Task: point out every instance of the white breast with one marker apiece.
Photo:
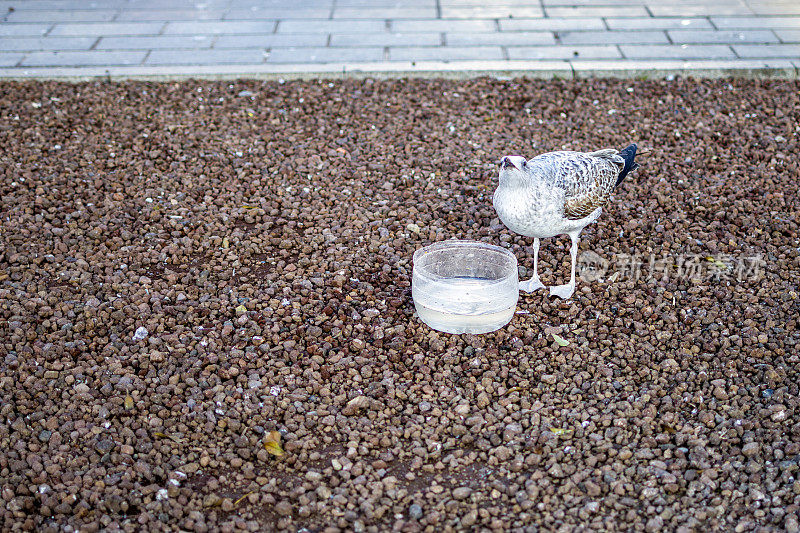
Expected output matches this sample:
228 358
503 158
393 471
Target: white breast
534 211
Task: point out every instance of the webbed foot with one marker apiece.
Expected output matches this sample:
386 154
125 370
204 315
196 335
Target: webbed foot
531 285
563 291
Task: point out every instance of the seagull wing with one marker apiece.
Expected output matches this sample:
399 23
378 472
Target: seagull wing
588 179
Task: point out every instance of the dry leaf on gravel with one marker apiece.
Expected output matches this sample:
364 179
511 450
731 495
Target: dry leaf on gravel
237 502
559 340
273 444
160 435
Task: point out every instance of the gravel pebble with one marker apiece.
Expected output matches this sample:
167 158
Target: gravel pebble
415 511
462 493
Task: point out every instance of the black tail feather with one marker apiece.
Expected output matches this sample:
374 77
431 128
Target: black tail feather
628 154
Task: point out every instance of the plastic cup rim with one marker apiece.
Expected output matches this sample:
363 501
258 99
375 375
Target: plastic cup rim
456 243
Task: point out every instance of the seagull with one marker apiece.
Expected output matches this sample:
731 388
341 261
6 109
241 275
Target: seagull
558 193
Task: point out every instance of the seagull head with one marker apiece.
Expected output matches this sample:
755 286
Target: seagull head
513 170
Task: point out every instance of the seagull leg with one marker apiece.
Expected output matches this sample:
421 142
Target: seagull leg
565 291
534 283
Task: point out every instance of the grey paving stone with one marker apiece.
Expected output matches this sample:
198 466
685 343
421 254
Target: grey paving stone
706 10
10 44
220 27
552 24
176 4
613 37
492 12
106 28
385 3
443 25
21 30
659 23
788 36
445 53
331 26
53 5
155 42
755 23
163 15
9 60
386 39
596 11
563 52
591 3
750 51
775 9
384 12
272 40
72 15
83 58
479 3
725 36
512 38
659 67
280 13
304 5
206 57
676 51
325 55
282 4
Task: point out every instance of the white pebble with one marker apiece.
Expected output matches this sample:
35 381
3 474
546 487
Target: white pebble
141 333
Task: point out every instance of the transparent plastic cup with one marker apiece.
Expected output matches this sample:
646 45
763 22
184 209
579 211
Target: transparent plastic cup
465 286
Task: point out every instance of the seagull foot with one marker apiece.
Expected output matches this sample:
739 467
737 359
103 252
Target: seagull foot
563 291
531 285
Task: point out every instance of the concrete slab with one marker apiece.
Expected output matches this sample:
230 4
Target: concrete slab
266 37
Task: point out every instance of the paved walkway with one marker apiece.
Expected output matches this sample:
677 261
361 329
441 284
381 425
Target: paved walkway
228 38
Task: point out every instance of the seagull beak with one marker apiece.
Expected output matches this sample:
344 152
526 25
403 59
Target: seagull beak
506 163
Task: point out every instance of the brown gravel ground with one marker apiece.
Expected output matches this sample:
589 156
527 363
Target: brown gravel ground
262 232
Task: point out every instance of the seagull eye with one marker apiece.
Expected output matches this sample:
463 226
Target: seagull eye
524 164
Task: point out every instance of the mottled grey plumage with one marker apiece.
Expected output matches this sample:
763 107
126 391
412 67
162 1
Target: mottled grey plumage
558 192
587 179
